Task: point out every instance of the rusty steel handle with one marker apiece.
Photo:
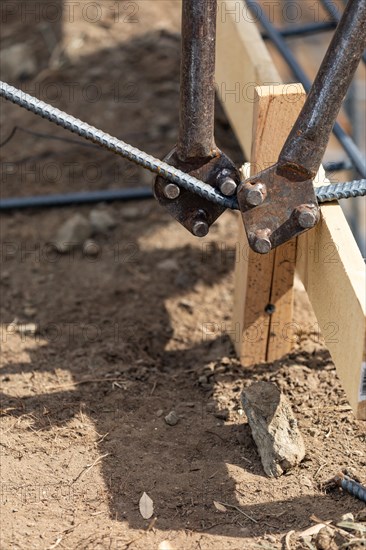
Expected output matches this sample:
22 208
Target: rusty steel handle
306 144
197 96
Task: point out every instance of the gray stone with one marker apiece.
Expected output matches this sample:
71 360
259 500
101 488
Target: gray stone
170 264
17 62
172 418
73 233
91 248
101 221
274 428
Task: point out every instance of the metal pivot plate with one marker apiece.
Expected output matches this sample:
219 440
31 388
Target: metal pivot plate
195 213
277 205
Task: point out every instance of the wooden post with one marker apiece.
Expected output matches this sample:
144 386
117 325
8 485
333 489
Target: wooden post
263 301
332 270
329 261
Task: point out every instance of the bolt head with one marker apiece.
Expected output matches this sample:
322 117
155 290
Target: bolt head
228 187
262 245
255 194
306 216
171 191
200 228
260 241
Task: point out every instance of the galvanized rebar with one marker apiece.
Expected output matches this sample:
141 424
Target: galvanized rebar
351 486
324 194
119 147
337 191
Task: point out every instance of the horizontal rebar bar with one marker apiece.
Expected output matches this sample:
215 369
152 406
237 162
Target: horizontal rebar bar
324 193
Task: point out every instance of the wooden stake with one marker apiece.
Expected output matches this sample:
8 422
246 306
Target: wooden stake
330 263
332 270
263 299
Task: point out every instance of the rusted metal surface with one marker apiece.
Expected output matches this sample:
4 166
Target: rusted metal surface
197 90
196 152
192 211
279 203
278 218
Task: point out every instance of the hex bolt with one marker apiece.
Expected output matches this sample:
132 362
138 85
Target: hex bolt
228 187
255 194
306 216
200 228
171 191
260 241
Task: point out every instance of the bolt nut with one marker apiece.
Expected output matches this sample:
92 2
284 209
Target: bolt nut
260 241
255 194
200 228
228 187
171 191
306 215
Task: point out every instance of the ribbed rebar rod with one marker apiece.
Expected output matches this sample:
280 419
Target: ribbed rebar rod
337 191
38 107
324 194
351 486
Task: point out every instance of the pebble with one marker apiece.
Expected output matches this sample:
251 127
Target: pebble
172 418
168 265
91 248
187 305
222 415
24 329
159 413
131 213
17 62
30 311
73 233
101 221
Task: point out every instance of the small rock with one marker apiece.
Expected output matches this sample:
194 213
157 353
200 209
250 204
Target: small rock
165 545
203 379
131 213
348 517
24 329
30 311
101 221
222 415
73 233
159 413
183 280
91 248
274 428
324 540
187 305
172 418
168 265
17 62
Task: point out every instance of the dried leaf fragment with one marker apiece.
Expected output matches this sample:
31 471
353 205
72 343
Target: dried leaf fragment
146 506
220 507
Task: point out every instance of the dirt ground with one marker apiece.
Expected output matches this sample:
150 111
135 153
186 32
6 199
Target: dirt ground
141 329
